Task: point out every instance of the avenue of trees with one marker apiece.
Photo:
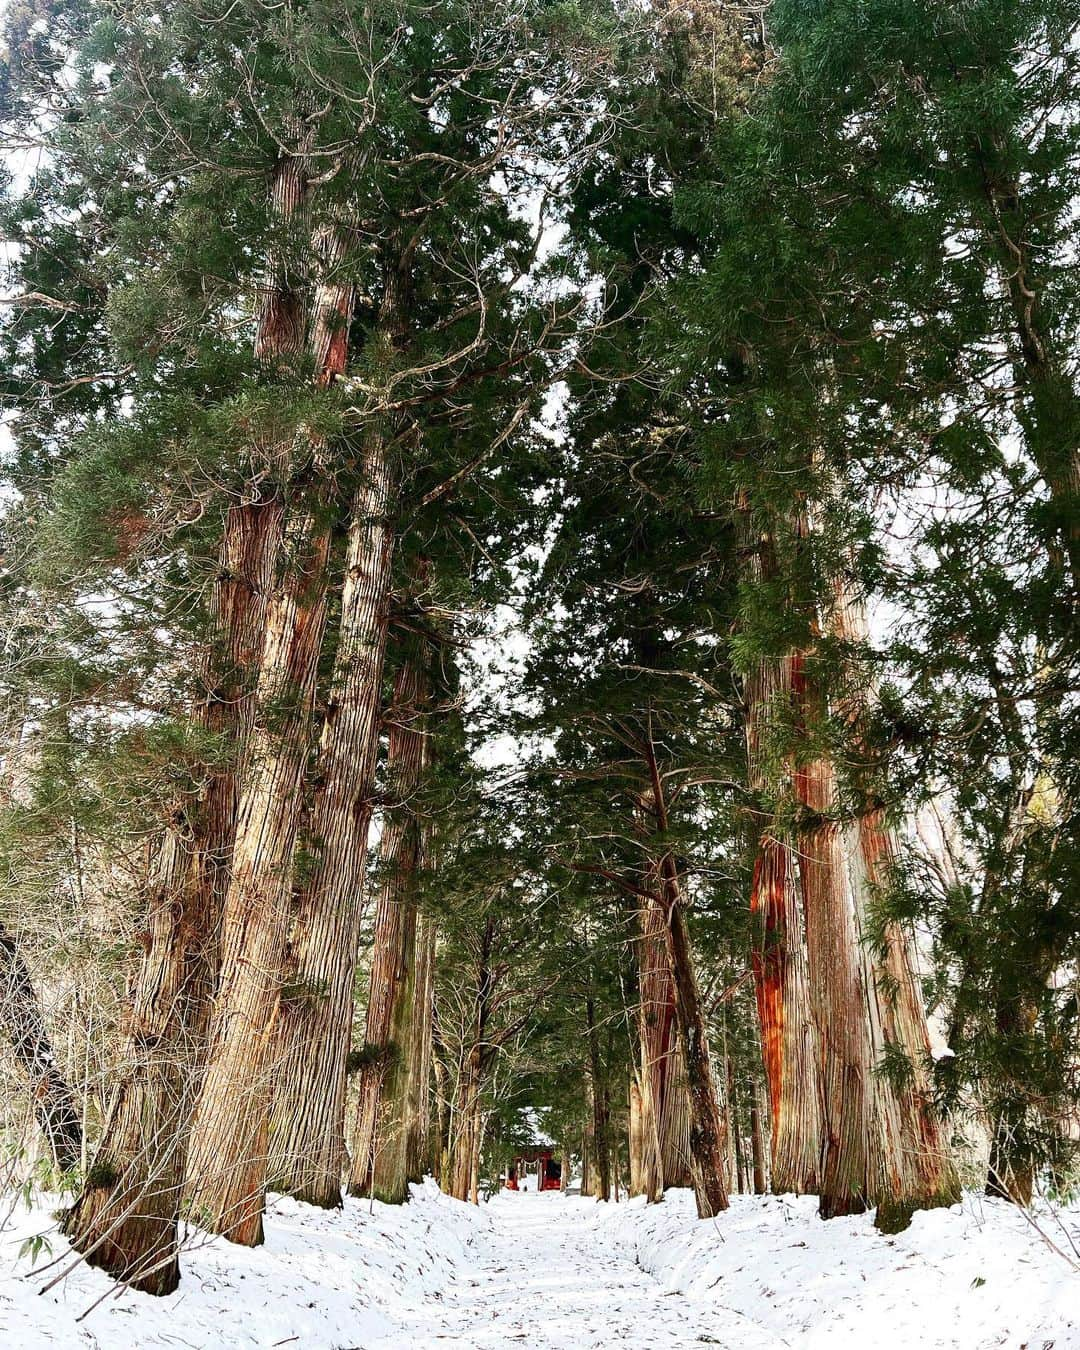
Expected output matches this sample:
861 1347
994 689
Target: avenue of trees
540 544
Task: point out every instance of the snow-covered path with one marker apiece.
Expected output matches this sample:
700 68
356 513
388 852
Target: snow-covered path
554 1272
542 1279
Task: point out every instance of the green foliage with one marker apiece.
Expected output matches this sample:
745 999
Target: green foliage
798 328
883 326
102 1174
299 992
382 1056
37 1244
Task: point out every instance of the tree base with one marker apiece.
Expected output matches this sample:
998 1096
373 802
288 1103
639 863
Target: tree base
140 1250
396 1193
324 1194
841 1206
1019 1192
894 1215
392 1196
237 1219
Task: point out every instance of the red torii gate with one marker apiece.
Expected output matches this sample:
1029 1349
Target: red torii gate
548 1169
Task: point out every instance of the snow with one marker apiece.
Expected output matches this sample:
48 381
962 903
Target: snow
322 1279
978 1275
555 1272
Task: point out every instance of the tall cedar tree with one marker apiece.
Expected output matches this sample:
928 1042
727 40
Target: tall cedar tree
334 285
917 165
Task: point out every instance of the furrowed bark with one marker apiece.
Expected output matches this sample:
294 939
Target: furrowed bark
308 1120
400 1093
601 1106
479 1129
420 1133
440 1141
708 1143
788 1034
708 1139
918 1172
249 552
836 981
658 1077
228 1159
675 1122
125 1219
464 1145
927 1176
380 1140
883 1144
21 1018
880 1142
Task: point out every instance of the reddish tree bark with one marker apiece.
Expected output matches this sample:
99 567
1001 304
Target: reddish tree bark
708 1143
663 1162
420 1107
125 1219
788 1033
308 1121
883 1146
379 1144
229 1152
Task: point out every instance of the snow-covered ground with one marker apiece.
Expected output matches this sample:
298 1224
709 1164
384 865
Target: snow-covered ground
555 1272
972 1277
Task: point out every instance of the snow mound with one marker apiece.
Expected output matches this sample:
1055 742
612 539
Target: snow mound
975 1276
323 1278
